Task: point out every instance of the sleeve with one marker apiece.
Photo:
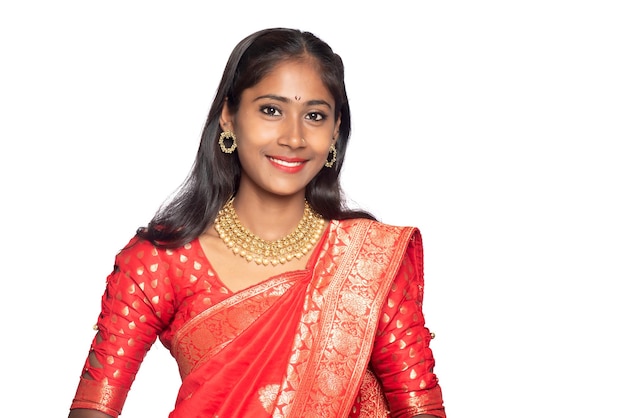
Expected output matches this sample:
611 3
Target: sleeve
127 327
401 358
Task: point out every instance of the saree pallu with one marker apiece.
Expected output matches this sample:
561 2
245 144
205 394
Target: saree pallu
297 345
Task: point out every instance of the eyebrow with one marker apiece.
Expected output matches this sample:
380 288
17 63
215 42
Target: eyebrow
287 100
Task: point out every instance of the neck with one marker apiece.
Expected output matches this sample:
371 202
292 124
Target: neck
269 218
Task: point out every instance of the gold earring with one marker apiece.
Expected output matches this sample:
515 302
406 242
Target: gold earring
231 136
333 151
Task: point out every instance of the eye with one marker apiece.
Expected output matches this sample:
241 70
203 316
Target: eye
270 110
316 116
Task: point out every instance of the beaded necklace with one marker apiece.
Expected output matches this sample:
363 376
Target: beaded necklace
249 246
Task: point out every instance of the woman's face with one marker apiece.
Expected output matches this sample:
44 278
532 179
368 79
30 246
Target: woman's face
284 127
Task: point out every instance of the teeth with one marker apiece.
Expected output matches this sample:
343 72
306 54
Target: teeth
286 163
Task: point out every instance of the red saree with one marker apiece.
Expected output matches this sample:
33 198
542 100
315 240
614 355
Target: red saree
343 338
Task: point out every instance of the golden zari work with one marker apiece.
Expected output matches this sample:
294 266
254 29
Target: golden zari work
249 246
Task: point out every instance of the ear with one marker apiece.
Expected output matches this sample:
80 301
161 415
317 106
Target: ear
336 129
226 117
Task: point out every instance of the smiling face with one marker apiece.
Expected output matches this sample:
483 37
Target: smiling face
284 126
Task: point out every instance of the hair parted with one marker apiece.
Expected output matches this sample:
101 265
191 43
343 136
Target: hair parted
214 176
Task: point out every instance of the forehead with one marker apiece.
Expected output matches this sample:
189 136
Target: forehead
294 78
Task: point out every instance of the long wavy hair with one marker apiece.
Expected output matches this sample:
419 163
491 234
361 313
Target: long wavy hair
215 176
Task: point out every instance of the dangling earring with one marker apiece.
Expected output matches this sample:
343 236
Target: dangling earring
332 151
228 135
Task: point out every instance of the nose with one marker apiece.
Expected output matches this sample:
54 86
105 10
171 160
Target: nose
292 134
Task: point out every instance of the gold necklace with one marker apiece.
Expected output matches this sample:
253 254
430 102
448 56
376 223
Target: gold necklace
249 246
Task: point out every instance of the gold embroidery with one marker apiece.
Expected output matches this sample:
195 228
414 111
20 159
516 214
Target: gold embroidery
329 352
267 396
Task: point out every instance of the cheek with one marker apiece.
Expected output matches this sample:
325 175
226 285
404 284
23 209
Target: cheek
322 147
254 135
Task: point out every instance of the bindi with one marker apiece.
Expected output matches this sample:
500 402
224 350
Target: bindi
298 98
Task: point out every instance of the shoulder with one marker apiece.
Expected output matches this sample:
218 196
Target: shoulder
141 252
377 227
382 236
138 249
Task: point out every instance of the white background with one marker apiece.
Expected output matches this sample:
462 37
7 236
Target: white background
496 127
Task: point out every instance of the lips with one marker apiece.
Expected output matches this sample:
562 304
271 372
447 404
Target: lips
290 165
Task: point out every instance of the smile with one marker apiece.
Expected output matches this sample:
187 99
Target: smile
290 166
286 163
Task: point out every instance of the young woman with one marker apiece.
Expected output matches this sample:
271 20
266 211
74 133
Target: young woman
275 298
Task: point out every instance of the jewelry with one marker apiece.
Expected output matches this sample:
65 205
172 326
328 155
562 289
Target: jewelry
332 151
231 136
249 246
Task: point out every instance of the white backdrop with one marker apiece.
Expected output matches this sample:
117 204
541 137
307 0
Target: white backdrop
495 127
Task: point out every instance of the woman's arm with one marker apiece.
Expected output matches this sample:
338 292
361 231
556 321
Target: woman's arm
127 326
87 413
401 356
